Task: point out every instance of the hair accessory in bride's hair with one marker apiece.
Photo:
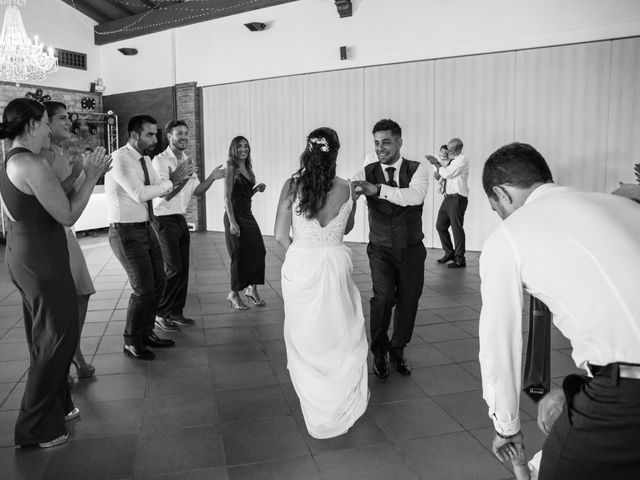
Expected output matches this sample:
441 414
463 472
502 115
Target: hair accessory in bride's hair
324 145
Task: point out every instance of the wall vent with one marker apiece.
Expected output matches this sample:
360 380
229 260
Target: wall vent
67 58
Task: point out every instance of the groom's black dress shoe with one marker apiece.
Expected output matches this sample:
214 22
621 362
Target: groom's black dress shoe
154 340
446 258
402 366
139 352
380 366
457 264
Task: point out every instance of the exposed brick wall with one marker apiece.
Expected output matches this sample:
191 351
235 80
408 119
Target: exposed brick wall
188 109
72 99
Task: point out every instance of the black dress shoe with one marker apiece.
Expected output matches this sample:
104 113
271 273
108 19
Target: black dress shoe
457 264
154 340
402 366
139 352
446 258
380 366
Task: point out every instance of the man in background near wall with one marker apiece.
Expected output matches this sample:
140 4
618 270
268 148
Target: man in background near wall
129 187
171 226
455 176
578 252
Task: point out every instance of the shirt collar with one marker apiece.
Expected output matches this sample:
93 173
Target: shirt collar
395 165
172 155
541 191
134 152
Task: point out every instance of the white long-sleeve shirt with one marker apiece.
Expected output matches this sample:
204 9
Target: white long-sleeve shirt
457 176
579 253
162 163
124 187
414 194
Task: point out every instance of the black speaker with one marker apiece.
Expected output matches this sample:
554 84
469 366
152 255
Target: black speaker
343 53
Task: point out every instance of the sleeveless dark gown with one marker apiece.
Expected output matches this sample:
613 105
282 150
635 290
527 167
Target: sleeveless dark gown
247 251
37 260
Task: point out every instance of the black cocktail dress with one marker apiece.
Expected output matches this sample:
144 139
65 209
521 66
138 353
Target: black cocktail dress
247 251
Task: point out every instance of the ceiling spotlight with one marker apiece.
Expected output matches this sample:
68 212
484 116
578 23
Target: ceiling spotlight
75 127
93 128
256 26
128 51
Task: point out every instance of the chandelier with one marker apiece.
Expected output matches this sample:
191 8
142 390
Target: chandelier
21 58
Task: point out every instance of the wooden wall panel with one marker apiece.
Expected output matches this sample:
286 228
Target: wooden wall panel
226 113
403 92
335 99
277 139
474 101
623 142
562 108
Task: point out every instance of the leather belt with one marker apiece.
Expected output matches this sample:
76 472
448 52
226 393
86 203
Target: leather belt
624 371
130 224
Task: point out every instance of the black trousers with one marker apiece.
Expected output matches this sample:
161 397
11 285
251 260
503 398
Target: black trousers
138 250
597 435
38 265
174 238
451 214
398 278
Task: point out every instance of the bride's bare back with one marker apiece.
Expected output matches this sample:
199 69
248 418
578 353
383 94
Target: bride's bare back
340 192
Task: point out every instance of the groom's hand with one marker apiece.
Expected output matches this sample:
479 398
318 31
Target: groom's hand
368 189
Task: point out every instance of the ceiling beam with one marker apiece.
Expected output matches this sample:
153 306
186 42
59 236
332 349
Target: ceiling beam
174 15
90 11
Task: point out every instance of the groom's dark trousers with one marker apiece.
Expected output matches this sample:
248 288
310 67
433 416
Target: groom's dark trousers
396 258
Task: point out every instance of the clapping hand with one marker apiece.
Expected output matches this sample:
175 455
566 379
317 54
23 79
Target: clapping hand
96 163
260 187
182 172
432 160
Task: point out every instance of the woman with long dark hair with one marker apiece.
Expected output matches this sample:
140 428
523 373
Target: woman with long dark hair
324 324
37 260
242 233
71 176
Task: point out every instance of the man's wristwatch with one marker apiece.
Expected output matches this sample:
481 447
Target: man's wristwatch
507 437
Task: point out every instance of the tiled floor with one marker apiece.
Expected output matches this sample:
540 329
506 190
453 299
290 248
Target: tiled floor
220 404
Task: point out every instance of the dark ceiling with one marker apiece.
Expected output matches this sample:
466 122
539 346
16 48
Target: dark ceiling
122 19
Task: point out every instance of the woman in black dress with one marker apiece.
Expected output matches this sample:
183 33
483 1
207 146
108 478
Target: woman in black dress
37 261
242 234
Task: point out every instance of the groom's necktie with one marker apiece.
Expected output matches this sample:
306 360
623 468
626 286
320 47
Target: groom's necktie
147 182
537 365
391 182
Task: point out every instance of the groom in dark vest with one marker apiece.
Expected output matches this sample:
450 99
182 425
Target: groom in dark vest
395 189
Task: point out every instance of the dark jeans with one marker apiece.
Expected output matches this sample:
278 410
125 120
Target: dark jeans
138 250
597 435
173 235
398 278
451 214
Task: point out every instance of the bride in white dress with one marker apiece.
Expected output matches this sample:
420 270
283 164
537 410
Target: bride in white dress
324 325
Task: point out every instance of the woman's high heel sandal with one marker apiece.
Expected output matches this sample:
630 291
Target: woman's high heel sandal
84 371
248 293
234 302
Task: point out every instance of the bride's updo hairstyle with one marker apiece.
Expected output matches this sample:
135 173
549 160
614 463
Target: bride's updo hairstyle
317 170
17 114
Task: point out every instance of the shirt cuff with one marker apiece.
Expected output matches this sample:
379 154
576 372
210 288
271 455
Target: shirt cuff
384 191
167 185
506 429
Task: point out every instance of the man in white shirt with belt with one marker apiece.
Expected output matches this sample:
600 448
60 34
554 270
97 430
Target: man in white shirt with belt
455 189
171 226
130 187
579 253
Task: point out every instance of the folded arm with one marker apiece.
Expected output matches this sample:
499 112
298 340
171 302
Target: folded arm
126 175
414 194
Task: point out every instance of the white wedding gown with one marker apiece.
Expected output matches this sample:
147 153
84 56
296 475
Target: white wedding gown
324 326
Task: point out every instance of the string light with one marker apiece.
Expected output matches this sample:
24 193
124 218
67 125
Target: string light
204 12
